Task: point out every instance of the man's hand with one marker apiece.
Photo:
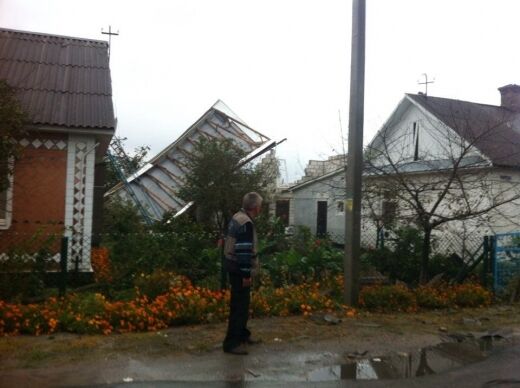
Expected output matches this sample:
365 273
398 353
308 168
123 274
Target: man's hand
246 282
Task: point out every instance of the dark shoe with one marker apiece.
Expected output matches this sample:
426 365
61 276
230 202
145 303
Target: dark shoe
253 341
240 350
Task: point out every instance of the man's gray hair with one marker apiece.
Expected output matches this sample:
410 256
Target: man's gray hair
251 201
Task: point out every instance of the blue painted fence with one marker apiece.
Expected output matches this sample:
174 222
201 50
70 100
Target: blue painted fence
506 259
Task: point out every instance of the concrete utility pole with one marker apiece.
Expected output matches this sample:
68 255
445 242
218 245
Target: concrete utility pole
354 168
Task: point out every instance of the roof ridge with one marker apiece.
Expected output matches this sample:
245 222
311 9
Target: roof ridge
61 91
47 35
59 125
454 99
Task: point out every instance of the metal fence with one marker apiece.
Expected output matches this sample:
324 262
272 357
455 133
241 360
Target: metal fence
64 252
506 263
443 243
23 249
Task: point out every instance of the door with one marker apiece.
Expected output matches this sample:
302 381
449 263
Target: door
321 219
282 211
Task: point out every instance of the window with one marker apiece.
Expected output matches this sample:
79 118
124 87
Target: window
416 140
340 206
282 211
6 204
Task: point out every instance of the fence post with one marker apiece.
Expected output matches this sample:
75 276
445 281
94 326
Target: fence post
63 265
485 263
492 261
223 274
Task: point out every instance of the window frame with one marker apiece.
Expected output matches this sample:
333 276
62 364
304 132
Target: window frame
5 223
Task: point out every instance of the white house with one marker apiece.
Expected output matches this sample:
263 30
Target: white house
460 160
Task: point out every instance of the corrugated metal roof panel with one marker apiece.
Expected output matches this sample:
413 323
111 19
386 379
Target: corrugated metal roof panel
159 183
60 80
40 76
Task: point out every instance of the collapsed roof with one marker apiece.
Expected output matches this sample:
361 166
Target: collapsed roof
156 184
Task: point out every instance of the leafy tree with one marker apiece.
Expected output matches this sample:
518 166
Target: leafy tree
12 121
133 162
216 184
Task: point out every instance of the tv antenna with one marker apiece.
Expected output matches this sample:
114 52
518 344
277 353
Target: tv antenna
109 33
425 83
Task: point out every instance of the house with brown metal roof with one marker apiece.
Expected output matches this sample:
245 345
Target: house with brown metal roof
63 83
429 146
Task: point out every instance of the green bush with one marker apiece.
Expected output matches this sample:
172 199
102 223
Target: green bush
470 295
23 272
432 297
157 283
305 259
403 260
388 298
175 244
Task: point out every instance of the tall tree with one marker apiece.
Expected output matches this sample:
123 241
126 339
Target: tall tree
12 122
216 184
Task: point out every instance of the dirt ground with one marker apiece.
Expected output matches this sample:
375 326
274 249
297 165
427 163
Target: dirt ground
365 332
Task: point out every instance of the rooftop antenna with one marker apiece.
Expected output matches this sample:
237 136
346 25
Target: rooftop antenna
425 83
109 33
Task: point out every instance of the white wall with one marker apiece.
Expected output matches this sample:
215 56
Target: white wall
436 140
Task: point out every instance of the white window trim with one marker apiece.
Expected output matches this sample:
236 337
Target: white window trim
5 223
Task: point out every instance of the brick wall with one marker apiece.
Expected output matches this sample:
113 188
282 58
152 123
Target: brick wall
38 190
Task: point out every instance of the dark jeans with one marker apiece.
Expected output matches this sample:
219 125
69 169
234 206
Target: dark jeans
237 331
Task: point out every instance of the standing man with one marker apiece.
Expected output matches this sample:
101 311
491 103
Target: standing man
241 263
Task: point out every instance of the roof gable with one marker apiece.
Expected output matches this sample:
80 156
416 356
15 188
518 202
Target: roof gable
493 130
59 80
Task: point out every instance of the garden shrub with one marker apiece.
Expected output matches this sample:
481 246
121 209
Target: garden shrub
388 298
174 244
432 297
22 273
271 233
400 259
470 295
82 313
158 282
101 265
306 259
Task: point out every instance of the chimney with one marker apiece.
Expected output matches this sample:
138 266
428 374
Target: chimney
510 97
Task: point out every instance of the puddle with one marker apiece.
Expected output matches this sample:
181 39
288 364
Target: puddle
431 360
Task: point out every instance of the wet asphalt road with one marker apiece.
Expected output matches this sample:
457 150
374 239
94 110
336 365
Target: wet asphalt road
501 369
466 362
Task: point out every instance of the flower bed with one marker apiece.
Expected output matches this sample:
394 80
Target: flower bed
182 304
400 298
187 304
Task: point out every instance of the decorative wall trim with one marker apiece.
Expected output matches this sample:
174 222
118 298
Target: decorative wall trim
79 200
49 144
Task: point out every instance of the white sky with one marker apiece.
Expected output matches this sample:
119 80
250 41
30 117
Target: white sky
282 65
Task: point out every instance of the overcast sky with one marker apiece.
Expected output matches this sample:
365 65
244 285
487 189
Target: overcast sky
282 65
